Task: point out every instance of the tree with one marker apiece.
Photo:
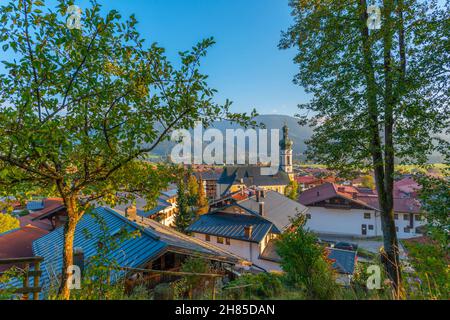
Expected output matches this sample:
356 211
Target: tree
378 95
192 189
367 181
81 108
184 215
8 222
305 262
292 190
435 203
202 203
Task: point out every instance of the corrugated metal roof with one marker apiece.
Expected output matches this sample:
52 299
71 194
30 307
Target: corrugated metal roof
131 252
230 225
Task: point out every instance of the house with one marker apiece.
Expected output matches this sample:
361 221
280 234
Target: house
46 214
310 181
164 211
156 247
235 178
346 210
406 188
247 225
209 179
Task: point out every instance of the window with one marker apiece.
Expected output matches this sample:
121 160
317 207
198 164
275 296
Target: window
395 216
396 229
406 217
220 240
406 229
227 241
417 217
308 216
370 226
207 237
366 215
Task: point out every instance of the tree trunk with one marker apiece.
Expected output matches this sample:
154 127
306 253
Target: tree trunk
383 166
69 232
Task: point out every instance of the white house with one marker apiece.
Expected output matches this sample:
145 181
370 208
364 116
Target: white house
345 210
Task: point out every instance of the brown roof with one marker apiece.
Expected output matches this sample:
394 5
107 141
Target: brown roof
51 205
17 243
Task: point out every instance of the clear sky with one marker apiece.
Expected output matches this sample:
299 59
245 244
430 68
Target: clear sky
245 65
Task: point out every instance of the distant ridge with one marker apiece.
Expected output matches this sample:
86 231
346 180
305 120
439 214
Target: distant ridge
297 133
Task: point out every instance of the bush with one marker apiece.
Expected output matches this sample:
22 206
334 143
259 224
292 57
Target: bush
255 286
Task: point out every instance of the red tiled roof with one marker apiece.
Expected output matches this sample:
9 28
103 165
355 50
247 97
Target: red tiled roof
331 190
406 186
306 179
17 243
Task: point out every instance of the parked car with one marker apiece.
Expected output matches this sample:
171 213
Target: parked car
346 246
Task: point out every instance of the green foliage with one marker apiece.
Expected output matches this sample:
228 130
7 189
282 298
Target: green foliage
81 109
7 290
8 222
292 190
195 285
192 189
435 201
431 279
305 262
255 286
184 215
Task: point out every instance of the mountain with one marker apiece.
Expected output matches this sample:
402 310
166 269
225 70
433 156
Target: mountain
297 133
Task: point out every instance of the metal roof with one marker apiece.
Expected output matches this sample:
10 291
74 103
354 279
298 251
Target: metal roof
132 252
231 225
35 205
344 261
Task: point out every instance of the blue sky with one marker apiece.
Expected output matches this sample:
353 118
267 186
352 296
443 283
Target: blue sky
245 65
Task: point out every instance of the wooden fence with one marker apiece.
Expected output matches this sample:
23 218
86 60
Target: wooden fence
26 272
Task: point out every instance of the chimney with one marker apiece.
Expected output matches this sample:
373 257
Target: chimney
78 258
263 193
131 213
248 231
355 195
242 191
258 195
261 209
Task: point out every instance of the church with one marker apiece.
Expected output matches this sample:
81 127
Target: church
233 178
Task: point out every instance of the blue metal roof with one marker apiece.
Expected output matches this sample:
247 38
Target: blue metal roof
344 260
35 205
132 252
230 225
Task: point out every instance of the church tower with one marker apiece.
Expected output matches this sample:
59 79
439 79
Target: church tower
286 153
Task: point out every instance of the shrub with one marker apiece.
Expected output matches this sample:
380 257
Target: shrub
8 222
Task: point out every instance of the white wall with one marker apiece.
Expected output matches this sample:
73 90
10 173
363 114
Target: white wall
349 222
247 250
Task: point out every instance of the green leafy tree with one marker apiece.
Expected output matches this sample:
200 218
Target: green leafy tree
183 217
378 95
192 189
8 222
292 190
81 108
435 203
305 262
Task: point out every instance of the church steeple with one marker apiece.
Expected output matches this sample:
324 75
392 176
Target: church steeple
286 153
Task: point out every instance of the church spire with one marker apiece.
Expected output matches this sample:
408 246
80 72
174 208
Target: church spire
286 153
